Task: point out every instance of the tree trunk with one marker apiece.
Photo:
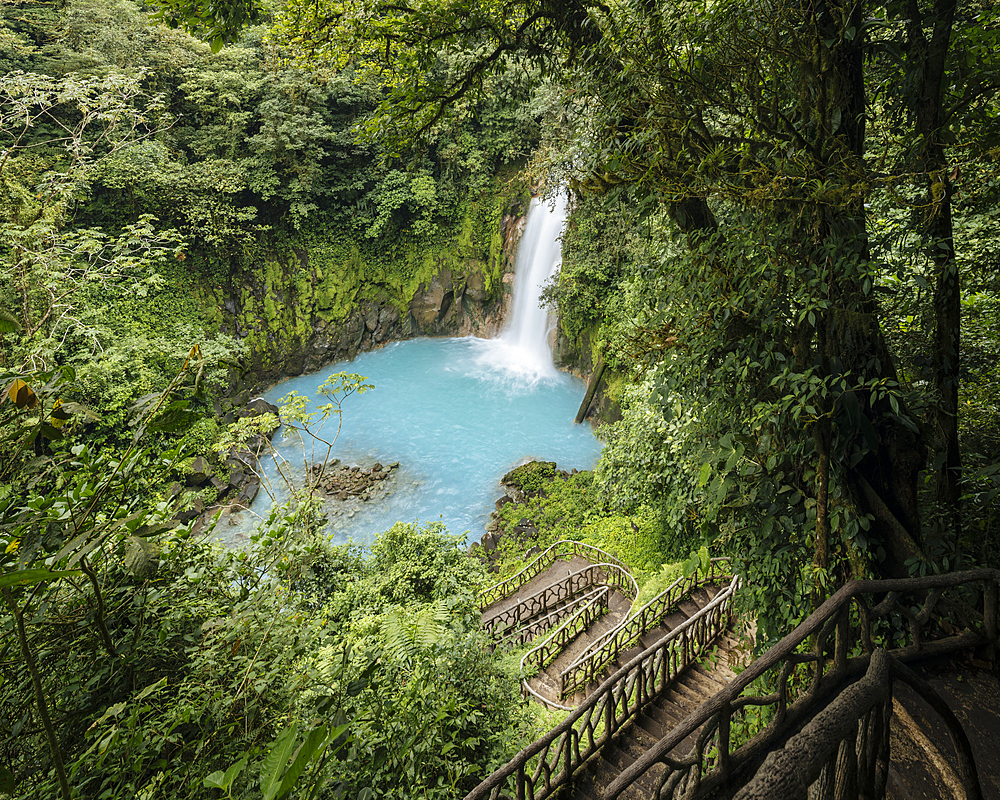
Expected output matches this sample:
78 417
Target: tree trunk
927 59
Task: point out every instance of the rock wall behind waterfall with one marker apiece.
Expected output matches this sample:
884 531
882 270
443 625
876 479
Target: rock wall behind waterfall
304 304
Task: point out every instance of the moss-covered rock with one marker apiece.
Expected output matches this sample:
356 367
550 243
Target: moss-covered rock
321 295
530 477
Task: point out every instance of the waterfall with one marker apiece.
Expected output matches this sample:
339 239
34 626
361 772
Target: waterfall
521 354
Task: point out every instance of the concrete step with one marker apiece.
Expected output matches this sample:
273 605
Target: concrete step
656 721
557 609
673 620
716 678
698 678
553 574
702 596
649 638
688 607
555 615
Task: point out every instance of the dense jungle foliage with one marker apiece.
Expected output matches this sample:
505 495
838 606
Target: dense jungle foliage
808 190
156 199
783 244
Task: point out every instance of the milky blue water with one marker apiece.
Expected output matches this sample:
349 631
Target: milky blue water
455 419
455 413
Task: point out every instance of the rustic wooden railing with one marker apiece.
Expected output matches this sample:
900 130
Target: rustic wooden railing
549 599
806 668
843 752
538 625
561 549
542 654
609 647
549 763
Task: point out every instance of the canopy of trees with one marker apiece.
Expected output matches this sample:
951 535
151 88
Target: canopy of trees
810 156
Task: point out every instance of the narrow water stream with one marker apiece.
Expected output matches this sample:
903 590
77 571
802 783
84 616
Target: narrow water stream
455 413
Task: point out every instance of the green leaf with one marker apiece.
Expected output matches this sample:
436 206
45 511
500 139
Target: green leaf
705 474
213 780
33 576
75 409
274 762
233 771
868 431
8 324
316 738
50 431
177 417
7 782
223 780
151 688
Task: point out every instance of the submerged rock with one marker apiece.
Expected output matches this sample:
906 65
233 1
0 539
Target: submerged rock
344 482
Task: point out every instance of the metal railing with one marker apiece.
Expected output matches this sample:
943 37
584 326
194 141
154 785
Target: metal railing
549 763
564 548
611 645
788 684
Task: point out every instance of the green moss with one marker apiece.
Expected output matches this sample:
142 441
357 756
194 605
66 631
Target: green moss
571 509
614 385
531 477
283 295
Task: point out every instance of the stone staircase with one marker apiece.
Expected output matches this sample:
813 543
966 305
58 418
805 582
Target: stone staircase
631 676
553 587
664 713
818 721
511 613
545 684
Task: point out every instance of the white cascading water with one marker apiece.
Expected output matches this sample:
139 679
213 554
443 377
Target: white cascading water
522 351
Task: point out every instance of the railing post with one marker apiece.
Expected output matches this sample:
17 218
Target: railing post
609 717
842 639
568 755
725 716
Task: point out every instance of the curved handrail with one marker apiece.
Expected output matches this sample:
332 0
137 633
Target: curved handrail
608 576
560 549
609 647
619 698
587 612
611 574
543 601
540 624
830 620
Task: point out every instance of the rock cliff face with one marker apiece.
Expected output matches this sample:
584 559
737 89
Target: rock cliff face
303 309
577 356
